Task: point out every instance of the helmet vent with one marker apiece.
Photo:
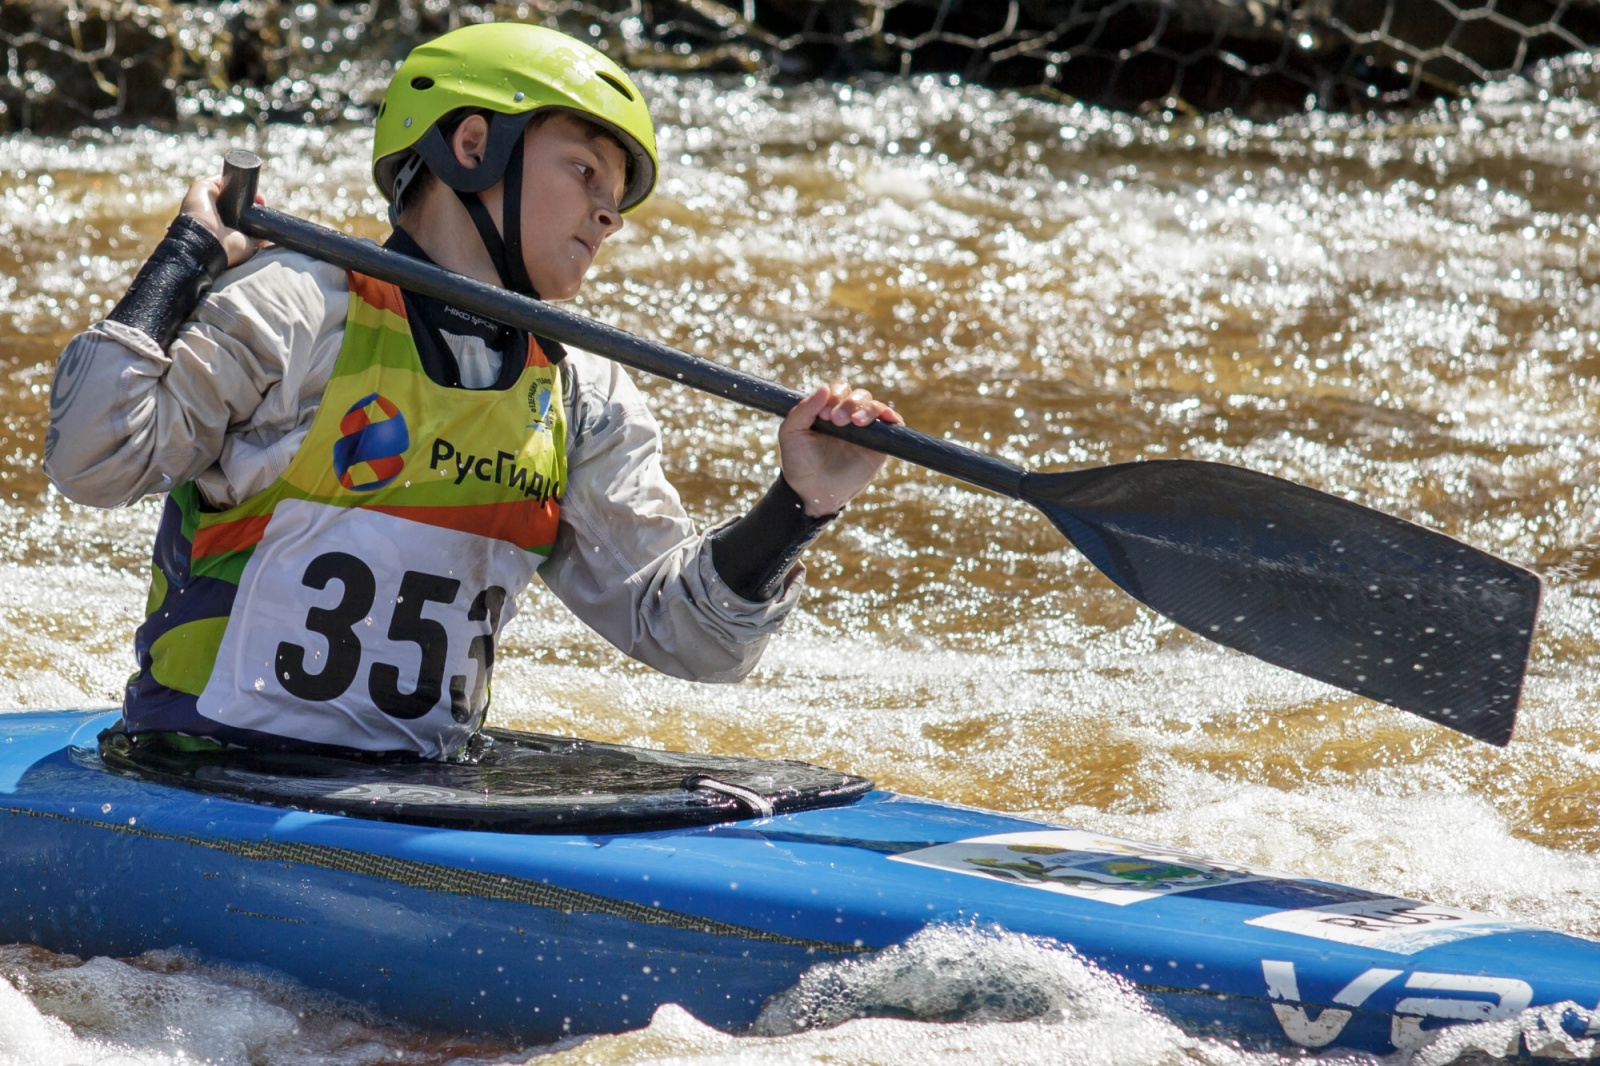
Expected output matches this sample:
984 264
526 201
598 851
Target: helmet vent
420 82
614 83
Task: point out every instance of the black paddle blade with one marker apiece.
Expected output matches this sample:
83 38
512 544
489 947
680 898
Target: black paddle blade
1308 581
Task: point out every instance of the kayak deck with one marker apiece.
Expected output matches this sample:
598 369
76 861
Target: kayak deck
506 782
535 937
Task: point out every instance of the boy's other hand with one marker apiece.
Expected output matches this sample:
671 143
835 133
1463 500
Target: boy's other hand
201 204
826 471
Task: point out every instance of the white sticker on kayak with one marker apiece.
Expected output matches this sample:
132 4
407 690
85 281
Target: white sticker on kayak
1074 862
1400 926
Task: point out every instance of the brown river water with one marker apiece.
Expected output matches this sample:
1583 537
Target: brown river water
1402 310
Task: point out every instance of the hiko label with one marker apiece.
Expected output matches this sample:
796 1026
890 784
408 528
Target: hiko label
1400 926
1073 862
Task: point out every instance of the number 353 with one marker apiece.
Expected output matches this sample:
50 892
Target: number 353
336 625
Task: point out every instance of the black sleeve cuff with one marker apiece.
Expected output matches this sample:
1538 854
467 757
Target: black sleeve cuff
172 281
753 554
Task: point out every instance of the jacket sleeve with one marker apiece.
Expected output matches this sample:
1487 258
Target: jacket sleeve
220 406
628 560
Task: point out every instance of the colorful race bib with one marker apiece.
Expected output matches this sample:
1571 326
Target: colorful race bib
332 642
356 601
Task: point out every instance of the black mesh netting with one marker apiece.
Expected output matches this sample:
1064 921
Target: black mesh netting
66 62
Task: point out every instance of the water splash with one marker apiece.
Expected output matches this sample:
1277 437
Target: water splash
955 974
165 1009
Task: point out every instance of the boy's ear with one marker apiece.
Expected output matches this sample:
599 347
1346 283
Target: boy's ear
470 141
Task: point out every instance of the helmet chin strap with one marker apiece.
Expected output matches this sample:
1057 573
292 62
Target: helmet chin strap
505 249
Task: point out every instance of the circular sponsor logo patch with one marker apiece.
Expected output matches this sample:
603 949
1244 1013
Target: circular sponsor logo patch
371 448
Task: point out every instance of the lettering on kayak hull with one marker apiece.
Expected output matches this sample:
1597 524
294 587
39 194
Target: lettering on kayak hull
1298 1025
1510 997
1399 926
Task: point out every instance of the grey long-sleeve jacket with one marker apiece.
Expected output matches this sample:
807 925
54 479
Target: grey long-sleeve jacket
232 398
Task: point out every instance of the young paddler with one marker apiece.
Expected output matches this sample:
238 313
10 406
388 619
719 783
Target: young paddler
361 482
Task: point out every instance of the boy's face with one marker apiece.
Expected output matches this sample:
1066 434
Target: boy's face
573 175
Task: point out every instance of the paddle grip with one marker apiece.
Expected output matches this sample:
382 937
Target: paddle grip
241 168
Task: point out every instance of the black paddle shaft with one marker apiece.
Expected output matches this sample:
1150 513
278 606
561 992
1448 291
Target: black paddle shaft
1296 577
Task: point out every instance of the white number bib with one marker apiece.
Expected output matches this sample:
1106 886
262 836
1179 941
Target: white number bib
355 628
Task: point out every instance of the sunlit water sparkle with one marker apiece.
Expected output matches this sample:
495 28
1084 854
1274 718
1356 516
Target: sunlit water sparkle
1403 310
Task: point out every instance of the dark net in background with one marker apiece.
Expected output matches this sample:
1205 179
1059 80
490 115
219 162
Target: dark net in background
1257 58
64 63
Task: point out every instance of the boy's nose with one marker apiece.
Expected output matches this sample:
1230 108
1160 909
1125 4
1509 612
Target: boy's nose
609 217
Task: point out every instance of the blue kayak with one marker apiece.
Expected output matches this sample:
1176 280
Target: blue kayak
540 933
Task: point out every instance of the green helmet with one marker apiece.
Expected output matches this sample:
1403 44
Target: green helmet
512 69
